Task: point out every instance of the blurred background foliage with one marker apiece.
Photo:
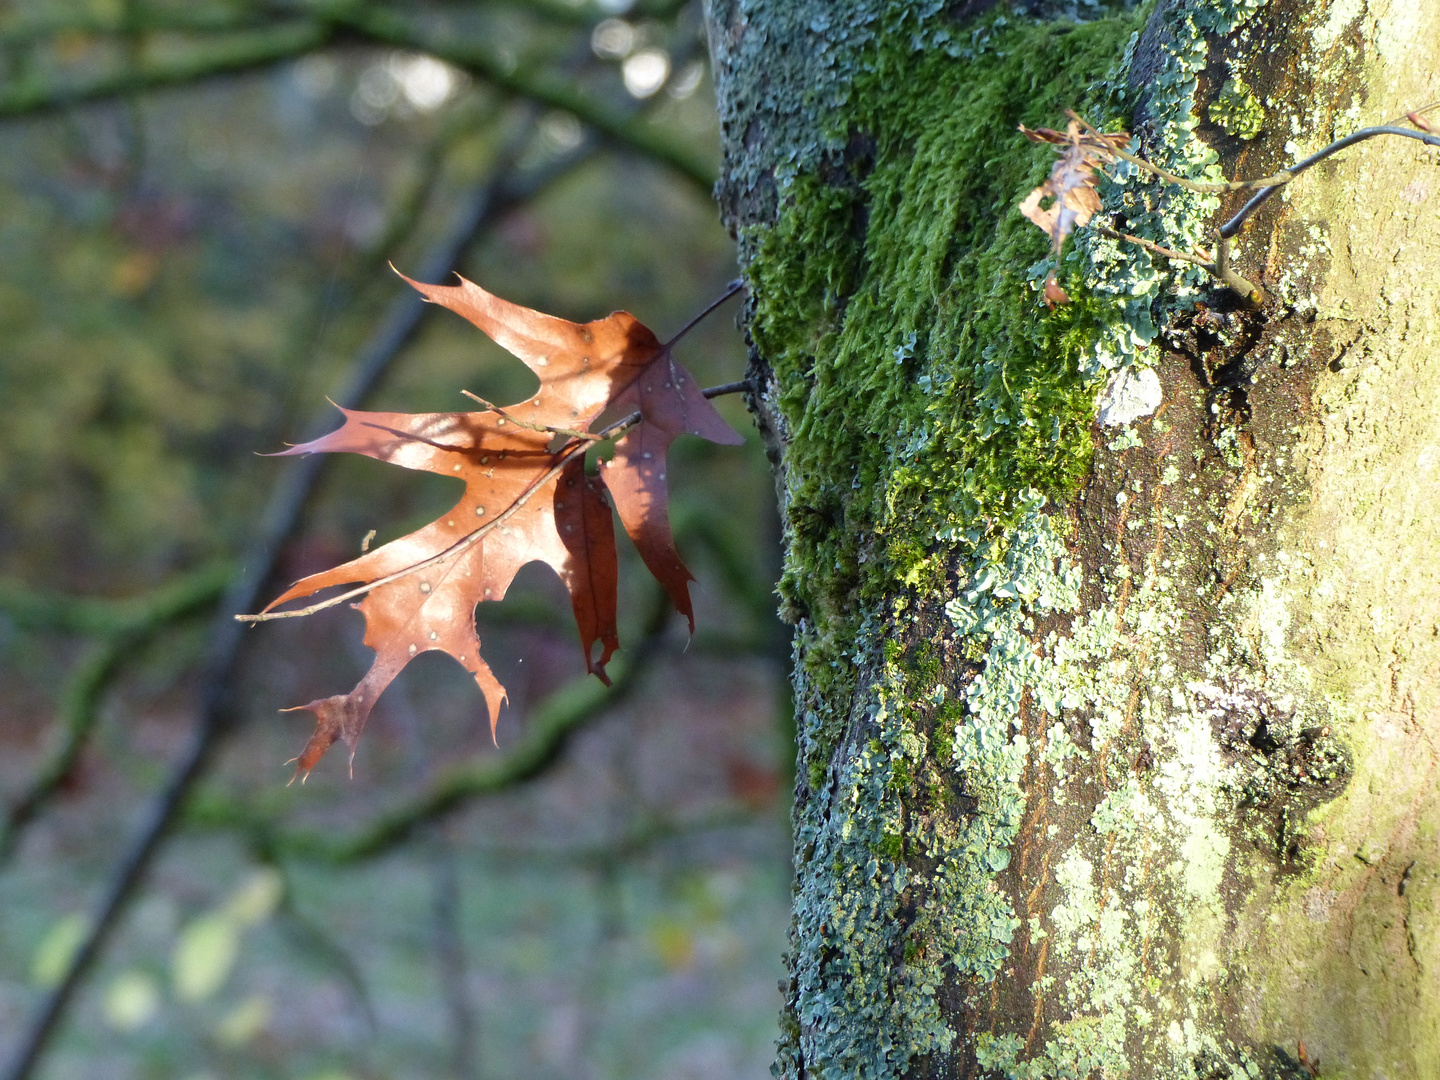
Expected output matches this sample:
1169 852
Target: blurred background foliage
198 205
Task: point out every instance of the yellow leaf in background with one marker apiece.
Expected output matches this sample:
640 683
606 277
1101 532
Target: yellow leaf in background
674 943
131 1001
244 1022
56 950
204 956
134 273
257 897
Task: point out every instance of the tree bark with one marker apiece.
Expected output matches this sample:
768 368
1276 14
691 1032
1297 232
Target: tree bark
1117 740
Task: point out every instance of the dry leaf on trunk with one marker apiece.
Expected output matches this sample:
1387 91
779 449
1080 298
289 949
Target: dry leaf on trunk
1071 186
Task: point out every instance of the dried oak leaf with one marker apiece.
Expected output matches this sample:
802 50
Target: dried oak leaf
526 499
1071 184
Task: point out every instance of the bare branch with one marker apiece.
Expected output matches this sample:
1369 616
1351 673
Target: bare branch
730 290
1231 227
1199 258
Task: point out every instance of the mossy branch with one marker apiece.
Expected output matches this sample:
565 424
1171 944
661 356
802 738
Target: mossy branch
123 626
244 49
238 52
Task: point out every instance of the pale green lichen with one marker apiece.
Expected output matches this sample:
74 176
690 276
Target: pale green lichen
1236 110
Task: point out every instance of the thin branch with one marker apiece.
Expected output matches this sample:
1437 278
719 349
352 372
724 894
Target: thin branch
307 934
1231 227
730 290
1267 185
617 125
1199 259
267 46
244 51
563 458
28 32
124 627
32 609
1220 266
743 386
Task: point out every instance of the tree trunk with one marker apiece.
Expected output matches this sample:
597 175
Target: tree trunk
1117 741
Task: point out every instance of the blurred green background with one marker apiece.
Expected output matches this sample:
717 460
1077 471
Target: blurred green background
198 206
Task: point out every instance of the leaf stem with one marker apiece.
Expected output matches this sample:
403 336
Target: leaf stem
583 436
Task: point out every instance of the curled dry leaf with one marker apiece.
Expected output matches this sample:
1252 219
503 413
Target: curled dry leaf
526 499
1070 186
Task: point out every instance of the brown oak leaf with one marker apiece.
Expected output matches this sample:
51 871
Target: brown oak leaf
527 499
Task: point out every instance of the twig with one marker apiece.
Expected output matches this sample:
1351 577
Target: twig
1217 266
730 290
252 49
742 386
1199 258
563 458
214 716
1220 267
1231 227
242 51
308 934
617 125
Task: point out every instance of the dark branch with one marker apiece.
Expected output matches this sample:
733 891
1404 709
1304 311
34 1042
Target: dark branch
1231 227
730 290
616 125
244 51
124 627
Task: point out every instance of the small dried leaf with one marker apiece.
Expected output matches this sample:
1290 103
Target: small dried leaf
1071 183
1054 294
